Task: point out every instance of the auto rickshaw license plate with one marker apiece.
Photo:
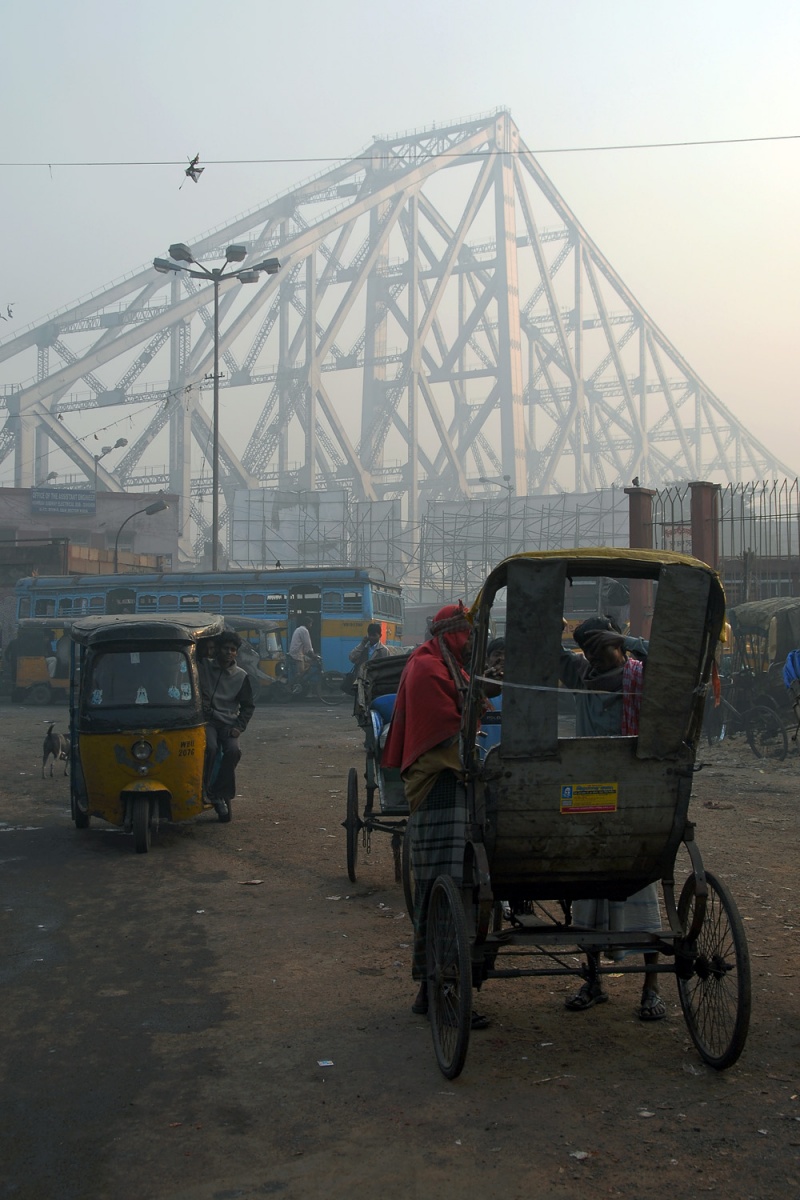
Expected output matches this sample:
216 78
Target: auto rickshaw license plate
589 797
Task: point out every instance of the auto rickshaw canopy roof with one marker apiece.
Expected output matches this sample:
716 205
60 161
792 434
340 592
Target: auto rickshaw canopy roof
158 627
754 616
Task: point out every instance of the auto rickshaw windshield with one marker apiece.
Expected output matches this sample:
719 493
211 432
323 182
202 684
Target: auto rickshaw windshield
118 678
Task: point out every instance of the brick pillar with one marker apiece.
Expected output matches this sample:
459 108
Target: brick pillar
705 522
640 537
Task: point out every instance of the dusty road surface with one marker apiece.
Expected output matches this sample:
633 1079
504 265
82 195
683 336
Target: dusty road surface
165 1016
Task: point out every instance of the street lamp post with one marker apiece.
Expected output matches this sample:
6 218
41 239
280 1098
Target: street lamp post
180 253
156 507
509 489
106 450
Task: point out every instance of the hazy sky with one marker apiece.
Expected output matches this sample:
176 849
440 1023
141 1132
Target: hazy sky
707 238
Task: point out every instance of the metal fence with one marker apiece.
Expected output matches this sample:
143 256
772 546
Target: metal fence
759 535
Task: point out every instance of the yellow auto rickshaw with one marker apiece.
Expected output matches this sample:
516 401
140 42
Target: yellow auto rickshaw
136 720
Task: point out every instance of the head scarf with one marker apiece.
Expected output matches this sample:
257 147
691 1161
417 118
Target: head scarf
427 710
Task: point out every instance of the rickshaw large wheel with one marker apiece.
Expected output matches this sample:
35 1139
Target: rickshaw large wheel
716 997
765 734
141 824
352 823
407 872
449 977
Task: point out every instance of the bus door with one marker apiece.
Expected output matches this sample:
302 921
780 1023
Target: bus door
121 600
305 608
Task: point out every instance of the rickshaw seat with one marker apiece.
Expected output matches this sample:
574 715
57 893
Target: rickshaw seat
383 707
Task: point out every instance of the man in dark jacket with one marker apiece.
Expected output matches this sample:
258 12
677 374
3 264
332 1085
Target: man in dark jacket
228 707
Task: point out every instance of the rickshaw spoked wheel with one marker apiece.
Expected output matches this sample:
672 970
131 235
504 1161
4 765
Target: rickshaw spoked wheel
352 823
449 972
141 824
715 997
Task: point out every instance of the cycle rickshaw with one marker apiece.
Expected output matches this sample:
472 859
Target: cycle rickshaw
375 690
553 819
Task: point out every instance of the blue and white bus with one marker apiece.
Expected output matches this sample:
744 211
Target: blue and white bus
335 604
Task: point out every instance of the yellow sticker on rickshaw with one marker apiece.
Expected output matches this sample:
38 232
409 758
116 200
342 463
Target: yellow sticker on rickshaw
589 797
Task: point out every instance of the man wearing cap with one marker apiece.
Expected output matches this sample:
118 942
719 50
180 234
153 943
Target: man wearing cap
228 706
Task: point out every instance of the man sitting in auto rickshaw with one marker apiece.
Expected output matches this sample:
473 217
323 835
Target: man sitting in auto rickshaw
228 706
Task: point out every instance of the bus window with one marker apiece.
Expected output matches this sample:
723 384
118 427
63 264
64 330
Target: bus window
254 602
332 602
147 602
190 602
97 604
45 608
168 603
24 607
275 604
353 602
210 602
232 602
65 606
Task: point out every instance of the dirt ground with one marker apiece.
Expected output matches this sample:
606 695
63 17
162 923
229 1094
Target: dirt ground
167 1016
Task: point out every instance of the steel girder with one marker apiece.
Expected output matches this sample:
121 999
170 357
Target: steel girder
440 314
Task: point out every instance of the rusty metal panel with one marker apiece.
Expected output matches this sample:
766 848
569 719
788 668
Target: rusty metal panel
534 604
537 839
677 642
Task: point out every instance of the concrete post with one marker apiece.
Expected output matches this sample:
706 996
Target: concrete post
640 537
705 522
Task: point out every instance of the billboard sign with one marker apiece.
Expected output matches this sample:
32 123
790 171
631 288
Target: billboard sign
65 501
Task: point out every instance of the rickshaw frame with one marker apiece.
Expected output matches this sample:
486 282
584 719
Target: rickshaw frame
555 819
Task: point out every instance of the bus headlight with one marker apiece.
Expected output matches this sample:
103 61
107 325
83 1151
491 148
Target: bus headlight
141 751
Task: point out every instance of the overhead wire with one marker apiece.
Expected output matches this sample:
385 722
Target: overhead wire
368 157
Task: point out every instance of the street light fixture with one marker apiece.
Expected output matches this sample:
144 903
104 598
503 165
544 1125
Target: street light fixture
156 507
509 488
180 253
106 450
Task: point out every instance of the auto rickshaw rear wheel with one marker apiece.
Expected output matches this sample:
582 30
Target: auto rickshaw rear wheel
80 817
141 824
39 694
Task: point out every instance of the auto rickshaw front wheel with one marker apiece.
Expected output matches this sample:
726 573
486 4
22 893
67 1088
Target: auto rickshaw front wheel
141 824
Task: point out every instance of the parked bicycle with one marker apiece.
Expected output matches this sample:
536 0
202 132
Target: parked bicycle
739 712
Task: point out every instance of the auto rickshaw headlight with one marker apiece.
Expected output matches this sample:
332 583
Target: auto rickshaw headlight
141 751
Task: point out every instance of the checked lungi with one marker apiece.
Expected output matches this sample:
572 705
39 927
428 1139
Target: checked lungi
639 912
438 840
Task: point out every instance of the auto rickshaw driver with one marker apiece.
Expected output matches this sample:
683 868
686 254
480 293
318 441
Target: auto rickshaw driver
228 706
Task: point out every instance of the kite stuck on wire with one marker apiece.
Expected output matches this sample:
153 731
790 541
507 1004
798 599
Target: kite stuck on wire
193 172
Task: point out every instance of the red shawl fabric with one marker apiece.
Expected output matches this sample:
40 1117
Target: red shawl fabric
427 710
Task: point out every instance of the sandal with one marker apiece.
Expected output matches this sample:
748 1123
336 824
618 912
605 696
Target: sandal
477 1021
587 995
652 1007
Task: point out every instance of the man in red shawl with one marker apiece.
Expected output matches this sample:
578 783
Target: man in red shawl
423 743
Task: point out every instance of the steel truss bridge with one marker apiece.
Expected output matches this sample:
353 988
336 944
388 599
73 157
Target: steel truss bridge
440 318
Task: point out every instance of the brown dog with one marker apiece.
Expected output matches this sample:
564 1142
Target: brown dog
57 745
